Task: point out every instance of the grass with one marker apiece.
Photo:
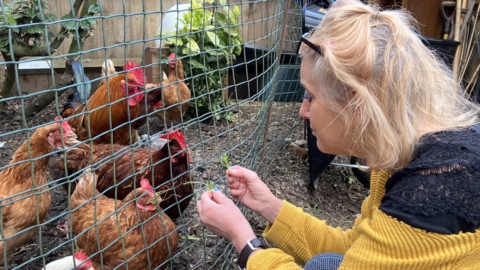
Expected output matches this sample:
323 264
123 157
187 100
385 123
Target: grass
313 209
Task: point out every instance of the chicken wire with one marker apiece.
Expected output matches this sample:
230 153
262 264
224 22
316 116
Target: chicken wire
252 135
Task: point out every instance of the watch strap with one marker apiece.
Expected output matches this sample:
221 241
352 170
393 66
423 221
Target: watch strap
247 250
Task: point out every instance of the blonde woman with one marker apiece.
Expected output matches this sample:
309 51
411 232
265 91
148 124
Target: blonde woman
376 92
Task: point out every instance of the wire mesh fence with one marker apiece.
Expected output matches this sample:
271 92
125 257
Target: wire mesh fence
83 124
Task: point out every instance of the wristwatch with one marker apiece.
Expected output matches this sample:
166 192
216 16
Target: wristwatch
247 250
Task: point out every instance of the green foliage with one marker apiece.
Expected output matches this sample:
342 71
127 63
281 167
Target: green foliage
313 209
208 186
350 179
30 12
211 37
224 161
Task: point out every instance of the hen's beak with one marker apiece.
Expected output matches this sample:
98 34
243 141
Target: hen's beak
71 135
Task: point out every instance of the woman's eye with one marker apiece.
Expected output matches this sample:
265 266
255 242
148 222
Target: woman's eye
307 97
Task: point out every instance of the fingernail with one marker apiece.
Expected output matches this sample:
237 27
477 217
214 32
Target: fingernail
232 169
215 188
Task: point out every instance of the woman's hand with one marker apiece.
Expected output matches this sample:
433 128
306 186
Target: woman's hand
249 190
222 217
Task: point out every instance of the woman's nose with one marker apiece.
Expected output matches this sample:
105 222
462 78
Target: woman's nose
305 110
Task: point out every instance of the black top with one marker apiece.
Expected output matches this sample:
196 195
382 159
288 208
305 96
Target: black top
439 191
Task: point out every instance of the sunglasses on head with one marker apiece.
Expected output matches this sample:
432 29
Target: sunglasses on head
307 42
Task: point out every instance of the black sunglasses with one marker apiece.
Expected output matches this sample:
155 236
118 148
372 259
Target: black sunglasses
314 47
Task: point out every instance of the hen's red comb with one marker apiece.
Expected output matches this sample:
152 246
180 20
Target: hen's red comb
175 135
66 126
80 256
145 184
138 73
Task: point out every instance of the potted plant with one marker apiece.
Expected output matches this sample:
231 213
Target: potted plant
208 43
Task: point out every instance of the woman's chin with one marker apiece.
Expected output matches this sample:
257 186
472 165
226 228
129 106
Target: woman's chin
322 147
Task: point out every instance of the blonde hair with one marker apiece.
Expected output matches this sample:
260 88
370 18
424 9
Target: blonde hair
402 90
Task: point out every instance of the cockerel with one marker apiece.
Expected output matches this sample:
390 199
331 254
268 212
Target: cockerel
118 180
152 90
139 206
124 97
176 97
108 69
19 211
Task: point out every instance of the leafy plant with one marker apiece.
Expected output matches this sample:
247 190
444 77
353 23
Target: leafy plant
208 186
350 179
313 209
212 41
224 161
32 38
34 12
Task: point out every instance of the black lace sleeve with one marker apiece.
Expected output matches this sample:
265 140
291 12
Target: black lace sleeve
439 191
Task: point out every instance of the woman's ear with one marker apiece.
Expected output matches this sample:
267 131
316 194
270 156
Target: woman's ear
351 99
351 95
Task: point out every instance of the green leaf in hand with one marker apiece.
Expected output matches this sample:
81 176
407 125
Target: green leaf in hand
224 161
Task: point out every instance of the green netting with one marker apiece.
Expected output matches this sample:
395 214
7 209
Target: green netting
245 97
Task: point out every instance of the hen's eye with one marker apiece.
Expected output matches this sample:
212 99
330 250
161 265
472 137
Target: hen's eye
130 81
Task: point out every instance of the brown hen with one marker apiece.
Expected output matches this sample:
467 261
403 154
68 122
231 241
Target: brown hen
139 206
19 211
118 180
122 110
176 97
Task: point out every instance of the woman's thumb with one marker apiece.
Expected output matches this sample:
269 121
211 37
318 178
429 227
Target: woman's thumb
218 196
241 172
236 171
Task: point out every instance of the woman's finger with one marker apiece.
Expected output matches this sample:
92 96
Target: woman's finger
236 167
218 197
235 184
235 192
237 171
199 207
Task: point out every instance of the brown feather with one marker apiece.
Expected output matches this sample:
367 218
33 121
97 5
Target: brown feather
109 175
18 178
177 93
100 118
126 219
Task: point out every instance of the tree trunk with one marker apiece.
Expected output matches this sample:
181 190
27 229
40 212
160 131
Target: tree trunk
8 81
44 99
20 51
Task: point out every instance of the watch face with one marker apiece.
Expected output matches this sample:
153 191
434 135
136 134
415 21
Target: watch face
247 250
257 243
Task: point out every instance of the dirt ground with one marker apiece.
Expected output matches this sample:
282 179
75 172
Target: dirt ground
336 200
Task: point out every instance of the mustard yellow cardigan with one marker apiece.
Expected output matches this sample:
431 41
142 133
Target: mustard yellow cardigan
376 241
